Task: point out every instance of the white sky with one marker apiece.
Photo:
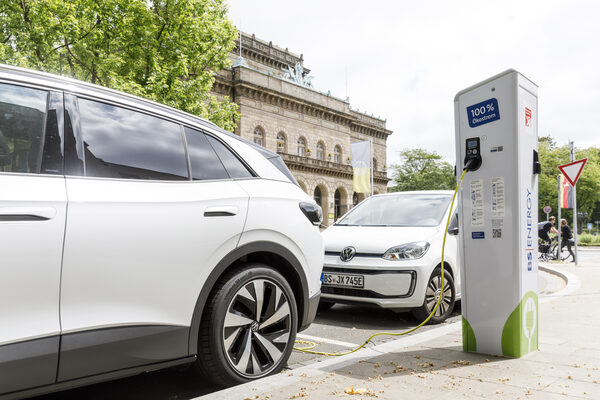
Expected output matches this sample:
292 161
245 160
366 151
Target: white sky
407 60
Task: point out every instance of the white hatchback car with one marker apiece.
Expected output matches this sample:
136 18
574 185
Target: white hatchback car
387 251
134 237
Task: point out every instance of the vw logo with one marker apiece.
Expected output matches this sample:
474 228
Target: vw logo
347 253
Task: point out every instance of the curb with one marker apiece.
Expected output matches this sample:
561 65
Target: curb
554 272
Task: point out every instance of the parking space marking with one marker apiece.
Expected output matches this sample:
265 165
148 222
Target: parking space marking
325 340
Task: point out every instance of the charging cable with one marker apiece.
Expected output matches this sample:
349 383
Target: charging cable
312 345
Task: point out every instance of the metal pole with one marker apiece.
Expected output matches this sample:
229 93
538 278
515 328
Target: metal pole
572 157
371 142
558 250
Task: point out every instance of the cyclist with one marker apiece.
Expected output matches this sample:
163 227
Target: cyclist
544 228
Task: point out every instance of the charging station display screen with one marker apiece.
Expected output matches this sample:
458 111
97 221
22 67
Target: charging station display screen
471 144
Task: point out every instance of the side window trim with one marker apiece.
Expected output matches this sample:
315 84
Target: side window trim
240 159
73 143
56 104
187 153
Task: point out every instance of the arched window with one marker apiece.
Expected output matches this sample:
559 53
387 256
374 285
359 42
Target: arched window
259 136
320 151
374 164
301 147
317 196
354 199
281 142
337 154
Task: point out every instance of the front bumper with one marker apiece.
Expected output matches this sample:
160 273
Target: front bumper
386 284
310 311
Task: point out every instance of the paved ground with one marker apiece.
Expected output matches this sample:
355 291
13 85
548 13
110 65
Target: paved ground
337 329
432 364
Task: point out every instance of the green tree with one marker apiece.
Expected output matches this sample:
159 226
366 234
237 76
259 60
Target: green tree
422 170
163 50
588 185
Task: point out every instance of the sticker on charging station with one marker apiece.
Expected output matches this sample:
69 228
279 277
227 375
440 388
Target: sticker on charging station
482 113
476 190
498 202
477 235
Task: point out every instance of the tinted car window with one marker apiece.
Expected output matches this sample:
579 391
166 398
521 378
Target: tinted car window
234 166
22 116
120 143
204 162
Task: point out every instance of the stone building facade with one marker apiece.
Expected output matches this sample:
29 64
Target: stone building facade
311 130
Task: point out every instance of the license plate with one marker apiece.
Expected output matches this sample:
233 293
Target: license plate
355 281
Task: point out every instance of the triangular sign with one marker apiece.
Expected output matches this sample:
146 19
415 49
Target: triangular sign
571 171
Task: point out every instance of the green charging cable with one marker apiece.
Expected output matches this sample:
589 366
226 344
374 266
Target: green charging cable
312 345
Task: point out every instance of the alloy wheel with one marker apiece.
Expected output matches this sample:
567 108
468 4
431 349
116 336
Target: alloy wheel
433 292
257 328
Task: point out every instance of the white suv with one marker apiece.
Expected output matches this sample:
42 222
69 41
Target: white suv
135 237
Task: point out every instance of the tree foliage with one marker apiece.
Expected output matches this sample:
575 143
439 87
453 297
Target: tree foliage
588 185
422 170
163 50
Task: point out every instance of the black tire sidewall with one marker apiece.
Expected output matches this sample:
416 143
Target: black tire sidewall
223 298
422 312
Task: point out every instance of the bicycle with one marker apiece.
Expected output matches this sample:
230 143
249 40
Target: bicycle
554 250
547 249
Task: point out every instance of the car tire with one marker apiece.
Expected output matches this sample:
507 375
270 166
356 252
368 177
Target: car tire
446 305
239 339
325 305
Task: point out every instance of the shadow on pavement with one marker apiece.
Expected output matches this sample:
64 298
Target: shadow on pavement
370 317
171 383
416 362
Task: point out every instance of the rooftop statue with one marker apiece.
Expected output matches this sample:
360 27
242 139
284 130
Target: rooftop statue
297 74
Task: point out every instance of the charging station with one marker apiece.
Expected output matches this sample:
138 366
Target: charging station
497 140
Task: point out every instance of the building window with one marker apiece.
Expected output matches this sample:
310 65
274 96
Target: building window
320 151
281 142
374 164
301 147
337 154
259 136
317 196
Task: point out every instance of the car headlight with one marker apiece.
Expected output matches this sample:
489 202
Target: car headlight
408 251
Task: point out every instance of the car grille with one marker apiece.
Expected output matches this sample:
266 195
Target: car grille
350 292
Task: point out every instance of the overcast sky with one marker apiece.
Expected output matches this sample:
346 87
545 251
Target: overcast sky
407 60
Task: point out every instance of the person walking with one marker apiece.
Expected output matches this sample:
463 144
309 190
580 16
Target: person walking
567 239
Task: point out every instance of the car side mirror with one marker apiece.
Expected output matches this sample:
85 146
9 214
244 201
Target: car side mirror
453 229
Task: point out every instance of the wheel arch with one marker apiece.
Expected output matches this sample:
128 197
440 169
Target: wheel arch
447 267
272 254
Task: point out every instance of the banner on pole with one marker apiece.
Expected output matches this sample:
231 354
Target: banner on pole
361 166
565 196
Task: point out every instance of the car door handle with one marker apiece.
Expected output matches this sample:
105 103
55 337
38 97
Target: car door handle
27 213
220 211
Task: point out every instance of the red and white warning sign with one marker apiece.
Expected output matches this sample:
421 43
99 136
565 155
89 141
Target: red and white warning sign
572 170
527 116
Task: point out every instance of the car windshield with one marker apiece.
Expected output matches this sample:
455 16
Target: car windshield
399 210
